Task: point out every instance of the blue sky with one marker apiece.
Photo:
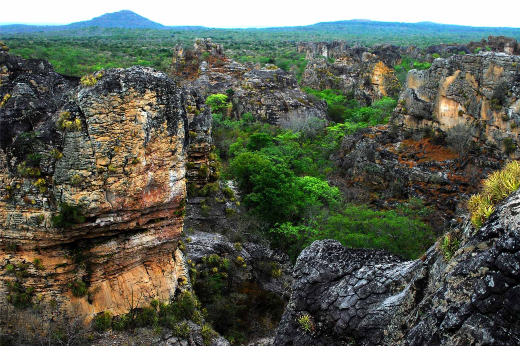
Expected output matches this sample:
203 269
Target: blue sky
268 13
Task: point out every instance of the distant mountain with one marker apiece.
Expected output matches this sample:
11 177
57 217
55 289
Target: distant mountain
121 19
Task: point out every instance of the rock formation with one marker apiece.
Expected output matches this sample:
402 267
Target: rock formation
365 73
93 184
381 165
366 297
479 92
270 94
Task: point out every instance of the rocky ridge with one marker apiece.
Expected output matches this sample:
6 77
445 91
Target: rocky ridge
107 159
369 297
478 92
270 94
365 73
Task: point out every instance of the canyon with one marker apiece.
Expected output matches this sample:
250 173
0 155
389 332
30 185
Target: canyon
104 202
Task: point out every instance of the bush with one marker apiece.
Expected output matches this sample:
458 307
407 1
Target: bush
88 80
495 188
78 287
218 102
69 215
509 145
102 321
65 124
449 246
459 138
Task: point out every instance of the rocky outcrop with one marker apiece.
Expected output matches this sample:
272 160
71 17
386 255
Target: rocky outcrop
365 297
382 166
480 92
270 94
366 74
94 185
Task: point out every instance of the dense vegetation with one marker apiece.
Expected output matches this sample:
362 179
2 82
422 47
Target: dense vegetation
282 172
84 50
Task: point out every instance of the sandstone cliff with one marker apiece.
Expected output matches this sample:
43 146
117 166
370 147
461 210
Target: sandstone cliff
480 92
365 73
343 296
270 94
93 184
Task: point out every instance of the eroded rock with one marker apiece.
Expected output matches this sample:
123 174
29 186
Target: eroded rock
369 297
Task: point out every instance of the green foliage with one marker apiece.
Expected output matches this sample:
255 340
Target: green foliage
218 102
306 323
78 287
19 295
88 80
28 171
69 215
509 145
65 124
496 187
102 321
449 246
360 227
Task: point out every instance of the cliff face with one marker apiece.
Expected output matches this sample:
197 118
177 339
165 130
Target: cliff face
372 298
366 73
270 94
94 184
480 92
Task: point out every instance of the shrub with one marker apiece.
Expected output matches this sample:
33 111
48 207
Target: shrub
79 288
449 246
102 321
495 188
181 329
56 154
459 138
218 102
38 264
509 145
208 334
65 124
228 192
88 80
28 171
68 216
40 184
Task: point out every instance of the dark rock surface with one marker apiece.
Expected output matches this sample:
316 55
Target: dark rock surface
270 94
367 297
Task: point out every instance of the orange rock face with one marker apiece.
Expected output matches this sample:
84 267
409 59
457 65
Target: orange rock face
480 92
123 169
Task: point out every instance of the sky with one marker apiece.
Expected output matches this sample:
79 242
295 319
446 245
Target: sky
267 13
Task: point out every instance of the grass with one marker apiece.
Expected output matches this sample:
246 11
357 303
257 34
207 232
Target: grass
305 323
495 188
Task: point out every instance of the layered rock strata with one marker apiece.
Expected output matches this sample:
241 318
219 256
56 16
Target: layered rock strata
94 185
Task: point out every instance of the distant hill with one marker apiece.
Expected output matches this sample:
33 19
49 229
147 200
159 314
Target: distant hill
123 19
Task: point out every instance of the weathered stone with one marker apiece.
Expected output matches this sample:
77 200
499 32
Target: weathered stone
472 299
481 92
270 94
121 163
